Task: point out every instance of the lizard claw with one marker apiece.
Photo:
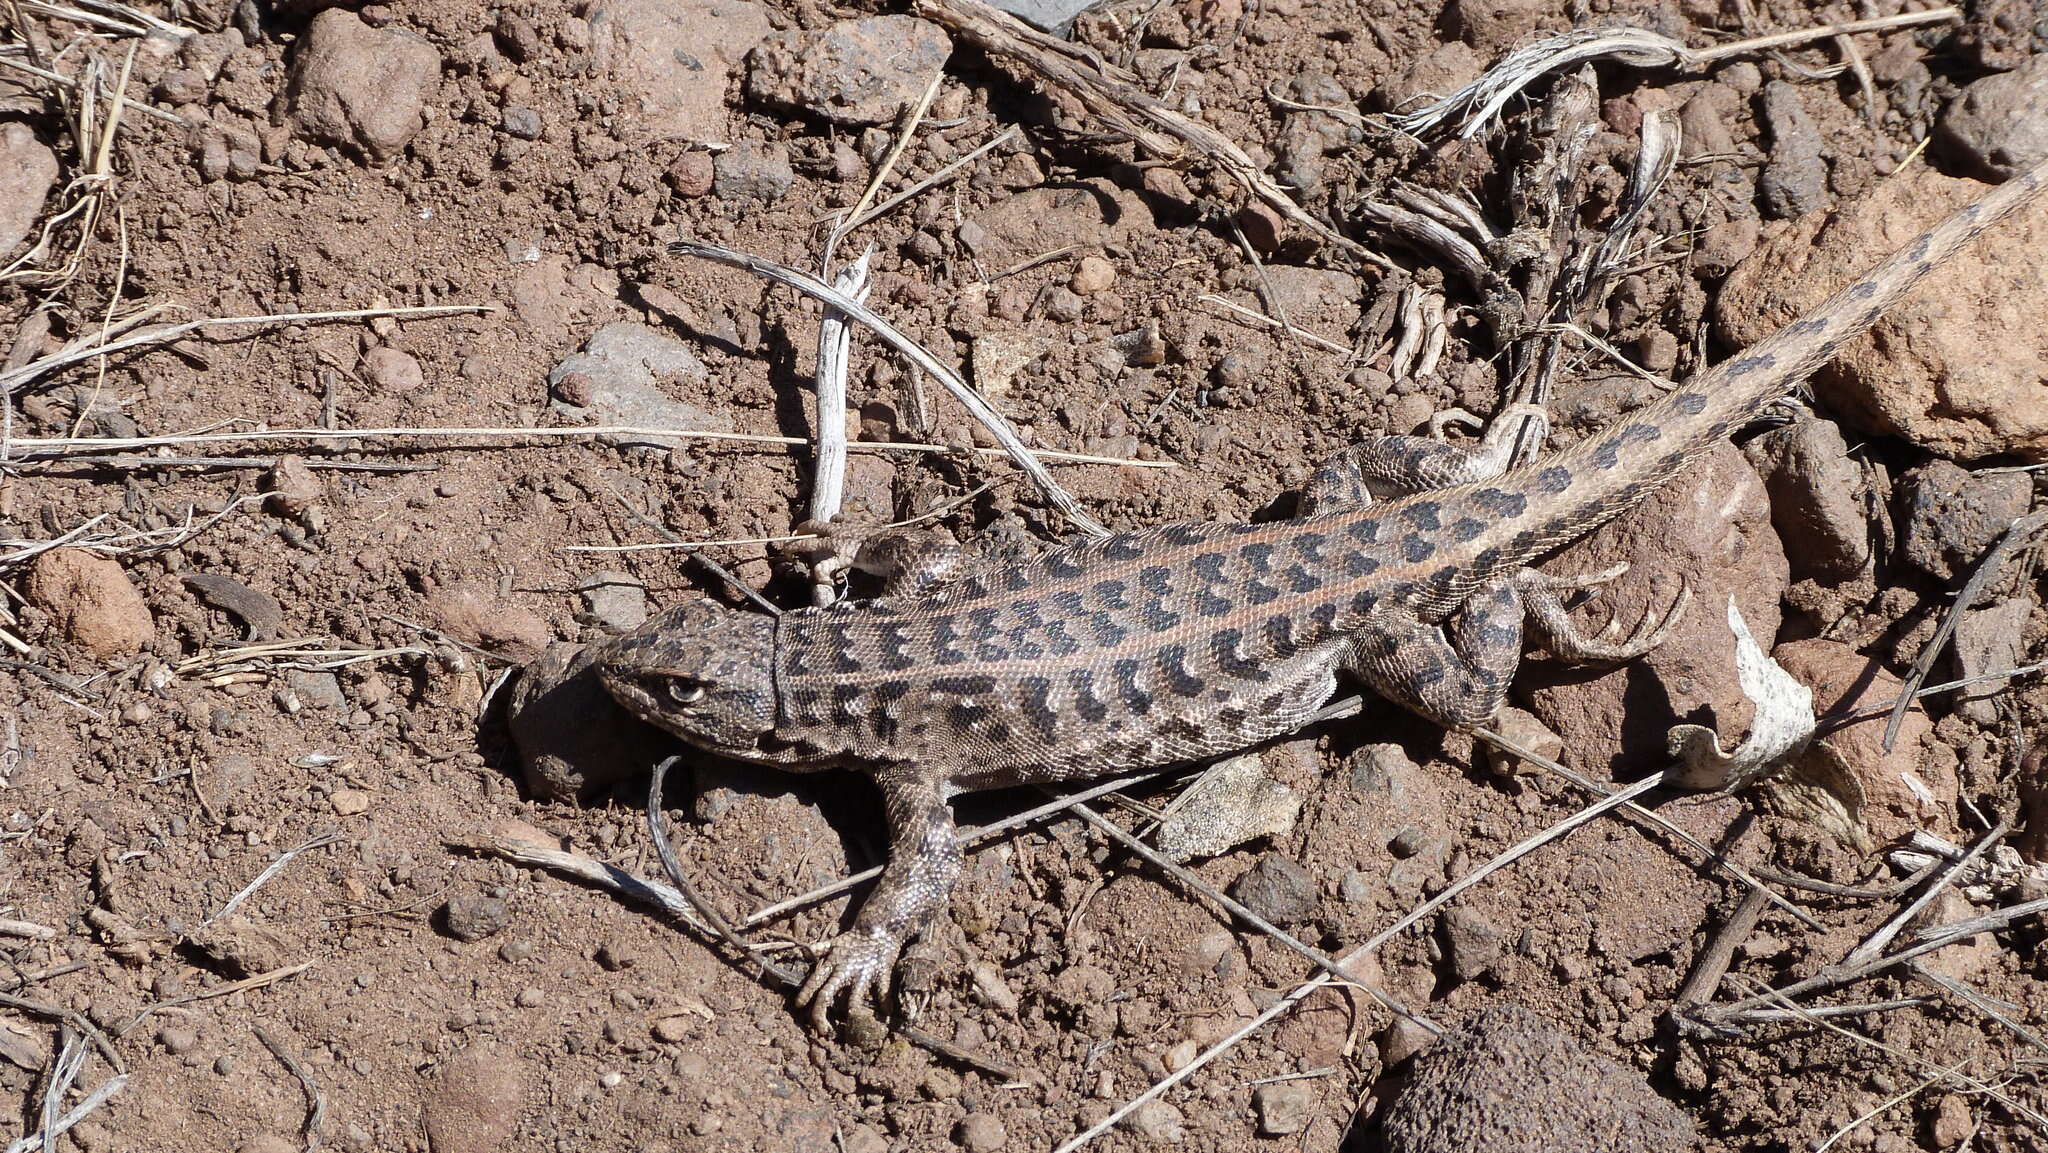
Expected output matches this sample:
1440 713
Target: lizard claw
857 963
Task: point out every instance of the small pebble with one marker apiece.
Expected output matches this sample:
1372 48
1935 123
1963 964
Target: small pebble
177 1039
1092 275
1283 1107
691 174
392 370
529 998
612 1080
981 1133
472 916
349 802
515 951
523 123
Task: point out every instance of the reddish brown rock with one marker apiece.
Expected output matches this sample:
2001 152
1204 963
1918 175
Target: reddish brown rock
474 1103
855 72
360 87
1961 366
27 173
1711 526
92 601
1846 781
475 617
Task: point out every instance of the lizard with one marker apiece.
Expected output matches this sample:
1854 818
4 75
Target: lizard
1407 567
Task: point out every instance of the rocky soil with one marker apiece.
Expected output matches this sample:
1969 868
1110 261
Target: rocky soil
254 693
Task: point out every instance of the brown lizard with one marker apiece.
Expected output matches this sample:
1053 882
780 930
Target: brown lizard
1187 641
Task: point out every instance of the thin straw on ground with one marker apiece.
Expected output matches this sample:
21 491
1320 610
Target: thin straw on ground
1301 992
997 424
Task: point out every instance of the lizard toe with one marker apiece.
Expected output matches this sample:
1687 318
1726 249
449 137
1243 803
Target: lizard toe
856 964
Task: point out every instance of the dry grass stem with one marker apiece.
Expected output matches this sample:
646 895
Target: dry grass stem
1187 878
36 1142
114 17
316 1102
1301 992
82 350
934 180
275 867
707 913
1113 94
1876 942
968 839
2018 535
1718 860
45 74
1478 104
60 448
997 424
521 843
912 117
835 343
1261 319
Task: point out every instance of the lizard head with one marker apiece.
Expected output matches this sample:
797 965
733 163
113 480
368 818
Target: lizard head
701 671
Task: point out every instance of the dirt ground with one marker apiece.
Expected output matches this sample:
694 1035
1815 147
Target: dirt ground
537 159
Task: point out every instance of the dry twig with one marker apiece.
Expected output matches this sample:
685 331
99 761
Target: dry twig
995 422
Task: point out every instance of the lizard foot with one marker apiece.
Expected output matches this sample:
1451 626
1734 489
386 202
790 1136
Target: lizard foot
857 963
1571 646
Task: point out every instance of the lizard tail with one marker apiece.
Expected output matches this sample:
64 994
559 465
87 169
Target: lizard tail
1608 474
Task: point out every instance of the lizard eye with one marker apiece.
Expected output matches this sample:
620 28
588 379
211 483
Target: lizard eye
685 692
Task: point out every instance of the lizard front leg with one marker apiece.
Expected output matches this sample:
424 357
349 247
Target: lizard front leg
924 861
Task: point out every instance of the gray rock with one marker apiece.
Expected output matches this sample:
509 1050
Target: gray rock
473 916
1999 124
1817 498
617 378
616 601
1471 943
316 689
1054 16
1277 889
1234 802
1513 1083
751 170
855 72
1954 516
1989 640
521 121
1795 179
1376 770
1307 136
1283 1107
27 173
573 740
359 87
672 61
1157 1123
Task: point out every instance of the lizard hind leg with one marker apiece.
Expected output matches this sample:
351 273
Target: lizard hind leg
905 559
1391 466
1458 675
924 861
